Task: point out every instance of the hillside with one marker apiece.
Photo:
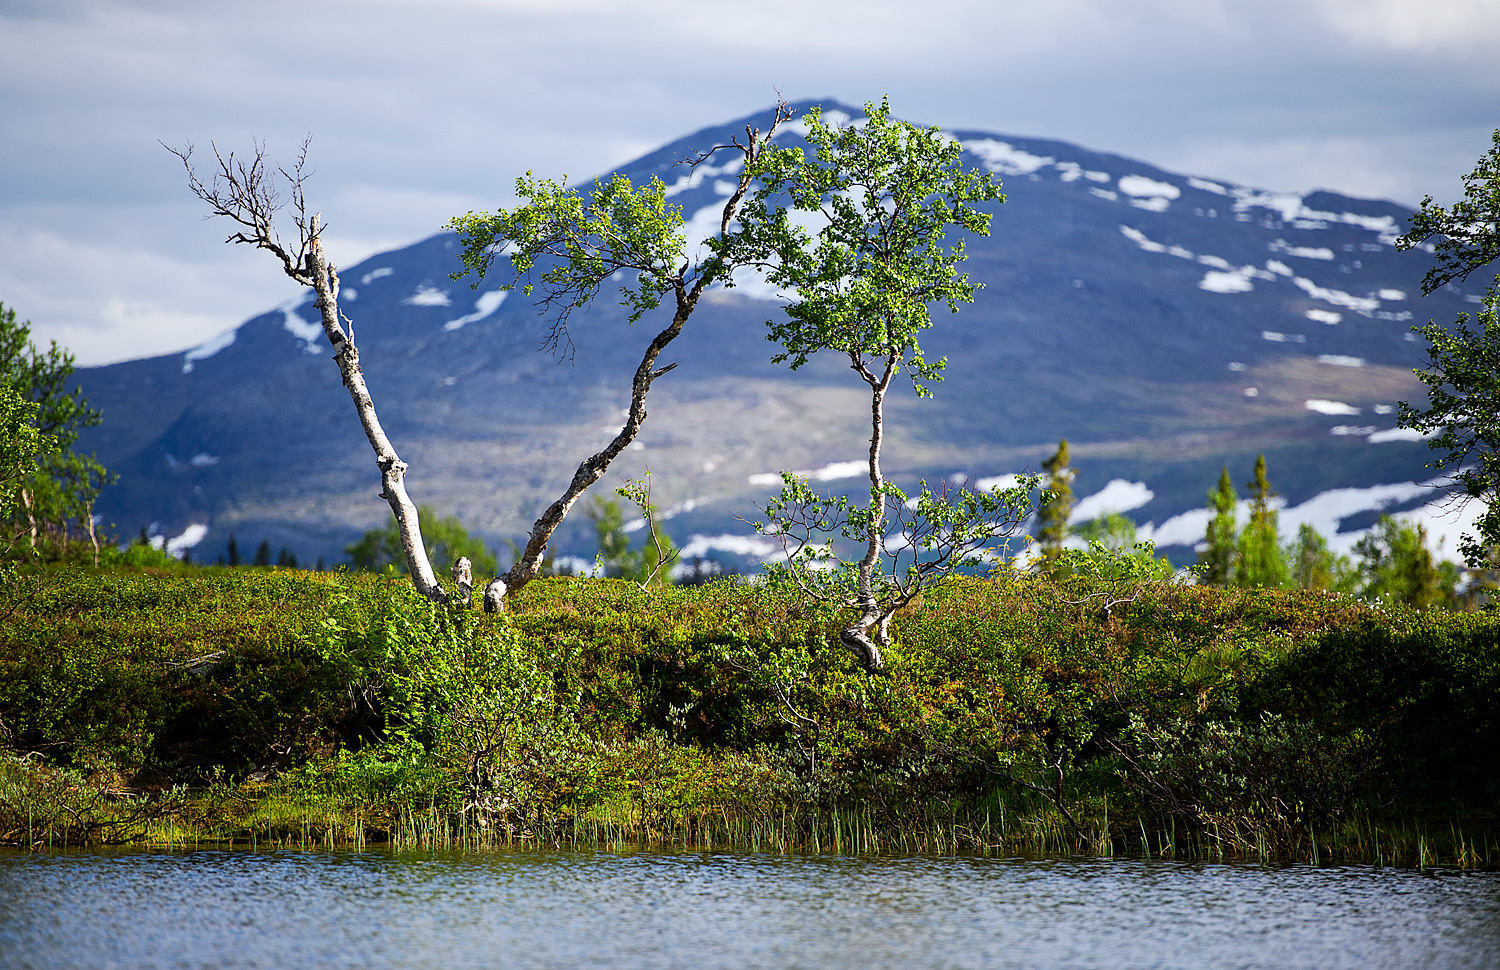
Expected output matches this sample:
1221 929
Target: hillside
1165 324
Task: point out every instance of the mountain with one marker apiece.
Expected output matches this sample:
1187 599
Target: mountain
1165 324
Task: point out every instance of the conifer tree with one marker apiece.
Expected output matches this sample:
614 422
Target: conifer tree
1221 555
1052 518
1261 561
262 554
232 551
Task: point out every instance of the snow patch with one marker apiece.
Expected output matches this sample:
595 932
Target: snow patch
704 171
1153 204
699 546
828 473
1186 529
190 537
1234 281
1359 304
207 349
486 304
1117 496
1397 434
1207 186
1392 294
1002 157
1324 316
293 324
1278 267
1304 252
1142 187
428 296
1277 337
375 274
1141 240
203 460
1002 482
1341 360
1217 262
1102 193
1330 407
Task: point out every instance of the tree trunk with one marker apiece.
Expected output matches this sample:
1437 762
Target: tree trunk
325 283
857 636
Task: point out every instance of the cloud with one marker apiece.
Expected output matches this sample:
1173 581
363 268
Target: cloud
421 111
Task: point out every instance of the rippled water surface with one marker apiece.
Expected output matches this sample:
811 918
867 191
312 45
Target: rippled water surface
534 909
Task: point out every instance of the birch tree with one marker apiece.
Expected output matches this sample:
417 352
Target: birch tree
855 233
573 241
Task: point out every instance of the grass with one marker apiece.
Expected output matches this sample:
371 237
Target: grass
281 708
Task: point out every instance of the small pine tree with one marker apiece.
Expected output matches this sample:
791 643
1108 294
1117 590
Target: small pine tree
232 551
262 554
1052 518
1262 562
1221 554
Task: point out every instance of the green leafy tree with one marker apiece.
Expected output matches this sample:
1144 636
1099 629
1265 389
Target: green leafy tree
1395 565
1315 566
60 486
1462 376
1113 553
1052 517
1111 530
447 541
21 444
1261 560
609 532
1221 554
856 228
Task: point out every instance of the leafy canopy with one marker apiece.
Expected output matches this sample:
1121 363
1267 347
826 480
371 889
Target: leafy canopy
857 231
1462 376
60 485
571 242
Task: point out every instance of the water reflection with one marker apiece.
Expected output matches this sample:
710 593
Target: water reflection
537 909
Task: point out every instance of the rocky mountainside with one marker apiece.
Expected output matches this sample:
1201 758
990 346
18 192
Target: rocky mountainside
1165 324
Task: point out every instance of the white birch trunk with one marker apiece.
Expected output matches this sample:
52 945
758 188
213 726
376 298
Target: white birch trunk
325 283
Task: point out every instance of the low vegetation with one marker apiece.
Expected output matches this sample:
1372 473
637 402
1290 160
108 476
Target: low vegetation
1091 714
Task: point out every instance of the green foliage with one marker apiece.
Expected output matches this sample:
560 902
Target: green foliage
1315 566
1462 376
1111 563
1112 554
578 241
446 540
60 486
1466 237
618 560
858 232
654 561
1056 509
1220 560
1261 559
1395 565
938 533
1240 713
21 443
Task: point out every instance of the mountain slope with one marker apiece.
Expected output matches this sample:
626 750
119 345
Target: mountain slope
1165 324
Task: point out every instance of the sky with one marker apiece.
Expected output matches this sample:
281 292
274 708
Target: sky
419 111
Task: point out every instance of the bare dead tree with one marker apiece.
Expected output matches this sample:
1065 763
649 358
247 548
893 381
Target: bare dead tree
249 194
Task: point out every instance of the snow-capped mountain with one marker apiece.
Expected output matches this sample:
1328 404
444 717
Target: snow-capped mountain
1165 324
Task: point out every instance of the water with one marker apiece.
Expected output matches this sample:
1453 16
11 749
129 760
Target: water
653 910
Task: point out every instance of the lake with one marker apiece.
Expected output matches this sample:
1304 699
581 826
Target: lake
377 909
